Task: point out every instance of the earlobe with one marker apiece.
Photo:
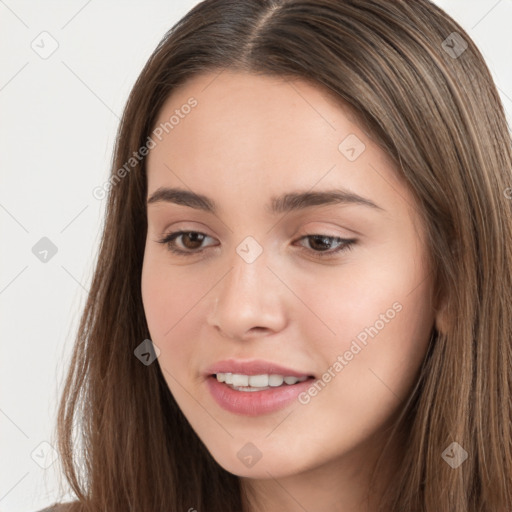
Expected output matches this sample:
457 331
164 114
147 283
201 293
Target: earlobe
442 317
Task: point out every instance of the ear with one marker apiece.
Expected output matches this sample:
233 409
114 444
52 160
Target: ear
442 317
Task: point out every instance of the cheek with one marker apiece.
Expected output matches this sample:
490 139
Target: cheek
168 294
378 317
173 297
355 301
370 367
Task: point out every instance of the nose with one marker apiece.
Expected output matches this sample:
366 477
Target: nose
249 301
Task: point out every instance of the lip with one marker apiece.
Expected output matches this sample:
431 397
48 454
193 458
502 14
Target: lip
254 403
253 367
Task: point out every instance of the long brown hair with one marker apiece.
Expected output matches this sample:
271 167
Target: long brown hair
429 101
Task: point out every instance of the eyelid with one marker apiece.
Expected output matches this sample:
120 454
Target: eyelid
320 227
188 226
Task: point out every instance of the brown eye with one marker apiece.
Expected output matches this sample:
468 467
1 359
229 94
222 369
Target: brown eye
184 242
325 245
320 242
192 240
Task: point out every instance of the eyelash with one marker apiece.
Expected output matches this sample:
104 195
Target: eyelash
345 244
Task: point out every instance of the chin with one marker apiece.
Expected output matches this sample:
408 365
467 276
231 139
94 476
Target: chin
247 462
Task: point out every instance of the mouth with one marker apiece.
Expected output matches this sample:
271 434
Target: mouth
256 395
254 383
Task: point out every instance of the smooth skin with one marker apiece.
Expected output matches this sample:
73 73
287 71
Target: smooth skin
248 139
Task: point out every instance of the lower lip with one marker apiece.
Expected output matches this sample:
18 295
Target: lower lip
254 403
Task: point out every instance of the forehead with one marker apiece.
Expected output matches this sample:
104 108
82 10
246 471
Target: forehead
257 134
256 105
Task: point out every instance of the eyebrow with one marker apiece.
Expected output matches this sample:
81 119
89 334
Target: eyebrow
281 204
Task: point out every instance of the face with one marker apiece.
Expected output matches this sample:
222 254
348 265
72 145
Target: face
305 258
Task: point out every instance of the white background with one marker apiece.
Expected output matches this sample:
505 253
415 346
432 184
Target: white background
58 122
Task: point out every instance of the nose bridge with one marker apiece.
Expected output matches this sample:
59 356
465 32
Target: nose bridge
248 297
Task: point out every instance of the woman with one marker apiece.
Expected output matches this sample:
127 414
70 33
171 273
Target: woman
303 294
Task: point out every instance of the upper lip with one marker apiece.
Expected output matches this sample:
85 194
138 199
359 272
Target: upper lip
253 367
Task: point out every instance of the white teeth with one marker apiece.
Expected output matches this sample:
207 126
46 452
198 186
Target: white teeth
264 381
258 381
239 380
275 380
